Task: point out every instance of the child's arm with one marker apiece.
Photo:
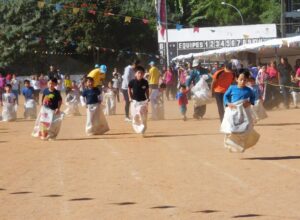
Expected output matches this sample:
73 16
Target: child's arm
130 95
227 99
147 94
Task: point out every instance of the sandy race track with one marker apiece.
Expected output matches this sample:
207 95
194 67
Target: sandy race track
180 170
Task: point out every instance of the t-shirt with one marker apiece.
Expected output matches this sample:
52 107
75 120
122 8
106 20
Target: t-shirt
127 76
51 99
223 80
35 84
272 72
91 96
15 84
182 98
28 92
285 72
8 98
298 75
154 75
97 76
139 88
235 94
68 83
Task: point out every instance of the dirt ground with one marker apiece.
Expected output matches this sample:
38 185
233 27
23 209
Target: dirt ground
180 170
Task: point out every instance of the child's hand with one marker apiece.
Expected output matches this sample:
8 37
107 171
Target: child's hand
231 106
57 111
246 104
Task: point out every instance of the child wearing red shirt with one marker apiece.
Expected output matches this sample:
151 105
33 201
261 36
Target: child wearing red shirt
182 100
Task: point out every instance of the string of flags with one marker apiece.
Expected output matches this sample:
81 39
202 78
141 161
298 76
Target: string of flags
93 10
98 49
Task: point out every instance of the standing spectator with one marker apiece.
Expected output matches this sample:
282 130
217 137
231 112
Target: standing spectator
36 86
285 79
222 79
2 85
15 87
169 80
52 73
261 79
129 74
43 82
272 97
116 83
98 75
215 68
68 84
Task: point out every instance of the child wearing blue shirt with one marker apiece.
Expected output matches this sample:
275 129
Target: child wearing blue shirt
239 92
29 104
96 123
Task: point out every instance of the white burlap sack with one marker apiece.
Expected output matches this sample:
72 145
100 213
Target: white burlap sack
296 98
139 113
109 99
30 109
238 143
72 103
96 123
48 124
237 120
259 111
201 92
154 97
9 112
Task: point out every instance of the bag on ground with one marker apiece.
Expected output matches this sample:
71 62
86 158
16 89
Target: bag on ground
110 103
96 123
30 110
9 112
48 124
139 113
72 103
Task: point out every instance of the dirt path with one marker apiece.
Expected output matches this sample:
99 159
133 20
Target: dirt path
180 170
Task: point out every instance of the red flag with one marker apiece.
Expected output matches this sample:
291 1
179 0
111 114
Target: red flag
196 29
161 15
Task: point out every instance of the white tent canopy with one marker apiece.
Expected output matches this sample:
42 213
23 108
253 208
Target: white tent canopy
284 47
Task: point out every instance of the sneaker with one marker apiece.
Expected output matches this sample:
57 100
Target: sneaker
127 119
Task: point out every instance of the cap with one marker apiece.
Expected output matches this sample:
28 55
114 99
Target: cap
96 65
103 69
152 63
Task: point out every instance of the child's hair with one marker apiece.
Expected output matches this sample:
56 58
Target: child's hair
26 81
183 86
89 79
243 71
163 86
54 80
251 78
8 86
140 68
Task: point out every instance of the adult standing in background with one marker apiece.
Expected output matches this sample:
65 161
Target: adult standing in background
129 74
285 79
52 73
15 87
222 79
98 74
154 75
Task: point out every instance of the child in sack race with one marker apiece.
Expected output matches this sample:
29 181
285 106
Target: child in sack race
48 123
30 102
237 124
138 92
110 100
9 103
73 100
96 123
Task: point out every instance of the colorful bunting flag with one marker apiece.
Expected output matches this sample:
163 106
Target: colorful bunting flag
179 27
41 4
127 19
196 29
145 21
76 10
93 12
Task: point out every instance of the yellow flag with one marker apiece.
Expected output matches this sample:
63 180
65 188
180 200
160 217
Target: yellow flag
41 4
128 19
76 10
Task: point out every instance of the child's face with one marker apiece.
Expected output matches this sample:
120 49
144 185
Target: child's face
139 75
109 85
7 89
51 85
241 80
26 84
90 83
182 89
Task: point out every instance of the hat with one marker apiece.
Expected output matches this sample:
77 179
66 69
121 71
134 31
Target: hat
96 65
152 63
103 69
196 63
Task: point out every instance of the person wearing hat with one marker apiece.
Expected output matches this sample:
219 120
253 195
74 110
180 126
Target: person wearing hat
98 74
196 74
222 79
